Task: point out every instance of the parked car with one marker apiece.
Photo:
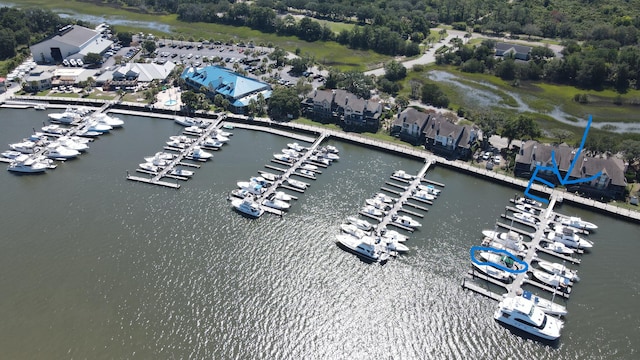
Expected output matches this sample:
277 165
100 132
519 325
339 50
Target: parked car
487 155
497 159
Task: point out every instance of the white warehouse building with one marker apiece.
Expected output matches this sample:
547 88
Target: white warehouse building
71 42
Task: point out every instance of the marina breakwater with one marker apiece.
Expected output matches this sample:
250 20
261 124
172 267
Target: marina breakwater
265 123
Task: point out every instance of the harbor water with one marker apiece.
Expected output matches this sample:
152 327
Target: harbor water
94 266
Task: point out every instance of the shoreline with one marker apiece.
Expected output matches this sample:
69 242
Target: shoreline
137 109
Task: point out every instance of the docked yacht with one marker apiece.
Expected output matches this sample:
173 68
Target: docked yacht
545 305
105 119
254 180
55 129
210 142
148 167
430 189
199 154
157 161
384 198
272 202
220 138
281 195
578 223
296 184
509 240
526 217
61 152
319 159
25 147
329 155
253 188
511 235
66 117
500 259
269 176
361 224
307 173
11 154
88 133
283 157
181 172
392 234
372 210
423 195
292 153
26 164
494 272
406 220
94 125
72 144
553 280
331 149
353 230
247 207
308 167
193 130
523 314
558 269
392 245
295 146
558 247
378 204
525 200
568 236
363 247
401 174
241 193
187 121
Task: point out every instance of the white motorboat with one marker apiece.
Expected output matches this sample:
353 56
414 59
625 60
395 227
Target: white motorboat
39 137
220 138
291 153
353 230
157 161
558 269
526 217
361 224
193 130
377 203
372 210
73 144
98 127
509 240
515 248
330 156
406 220
307 173
319 160
384 198
423 195
401 174
553 280
295 146
511 235
392 234
241 193
500 259
527 209
296 184
255 189
430 189
28 165
568 236
25 147
363 247
281 195
164 155
558 247
283 157
308 167
494 272
55 129
177 144
525 200
181 172
182 138
148 167
199 154
11 154
545 305
105 119
66 117
222 133
269 176
393 245
187 121
332 149
523 314
88 133
40 107
61 152
254 181
272 202
578 223
212 143
247 207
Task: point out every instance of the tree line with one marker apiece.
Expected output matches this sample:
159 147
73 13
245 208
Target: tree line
21 28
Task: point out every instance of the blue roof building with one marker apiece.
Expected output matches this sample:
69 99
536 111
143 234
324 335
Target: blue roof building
238 89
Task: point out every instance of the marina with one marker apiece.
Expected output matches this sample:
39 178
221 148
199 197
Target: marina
163 260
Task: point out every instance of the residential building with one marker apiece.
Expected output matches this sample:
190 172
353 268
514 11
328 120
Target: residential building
409 126
610 184
70 42
38 79
448 139
238 89
343 108
519 52
130 75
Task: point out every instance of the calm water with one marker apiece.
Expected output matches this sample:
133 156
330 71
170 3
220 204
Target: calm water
93 266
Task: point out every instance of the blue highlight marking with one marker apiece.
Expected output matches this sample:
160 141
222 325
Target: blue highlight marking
498 251
556 170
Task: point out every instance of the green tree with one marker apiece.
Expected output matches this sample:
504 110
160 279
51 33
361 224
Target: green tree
149 46
284 103
432 94
402 101
303 87
394 71
92 59
190 100
124 37
523 127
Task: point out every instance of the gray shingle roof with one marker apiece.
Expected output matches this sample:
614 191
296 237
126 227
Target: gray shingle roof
77 36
